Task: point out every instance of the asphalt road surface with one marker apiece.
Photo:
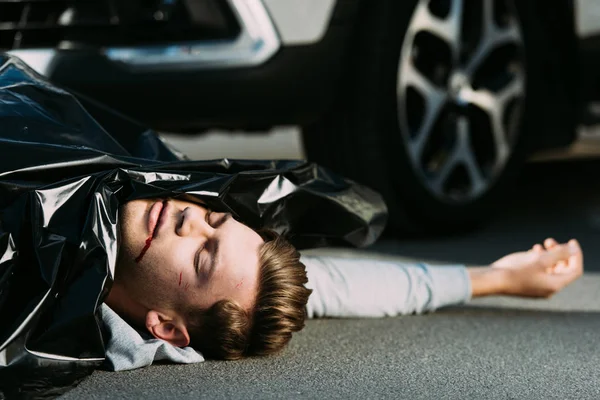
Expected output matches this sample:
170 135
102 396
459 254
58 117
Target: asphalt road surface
493 348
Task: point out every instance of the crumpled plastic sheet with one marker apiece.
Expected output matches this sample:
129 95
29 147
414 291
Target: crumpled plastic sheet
64 172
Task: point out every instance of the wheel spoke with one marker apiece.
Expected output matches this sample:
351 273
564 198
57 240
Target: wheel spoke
434 101
495 105
456 16
447 29
494 102
462 153
514 88
493 37
412 77
467 155
424 132
444 172
488 17
482 98
495 108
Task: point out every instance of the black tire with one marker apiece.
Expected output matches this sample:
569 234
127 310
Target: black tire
360 137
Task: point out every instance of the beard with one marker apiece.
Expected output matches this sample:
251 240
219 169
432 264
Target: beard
139 280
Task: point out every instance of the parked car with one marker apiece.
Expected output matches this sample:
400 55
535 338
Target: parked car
435 103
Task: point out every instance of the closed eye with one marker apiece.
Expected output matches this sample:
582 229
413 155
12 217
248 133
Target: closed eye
197 260
201 248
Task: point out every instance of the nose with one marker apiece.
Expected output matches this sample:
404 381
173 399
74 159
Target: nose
193 223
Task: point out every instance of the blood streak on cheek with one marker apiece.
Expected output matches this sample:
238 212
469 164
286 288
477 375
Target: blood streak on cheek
144 250
239 284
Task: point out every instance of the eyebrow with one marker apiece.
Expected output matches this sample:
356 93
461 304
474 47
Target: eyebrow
222 220
215 253
214 256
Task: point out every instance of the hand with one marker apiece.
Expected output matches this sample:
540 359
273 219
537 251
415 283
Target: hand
541 271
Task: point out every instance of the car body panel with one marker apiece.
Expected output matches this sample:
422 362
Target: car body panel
300 22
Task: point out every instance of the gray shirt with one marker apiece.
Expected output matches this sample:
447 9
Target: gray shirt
350 287
342 287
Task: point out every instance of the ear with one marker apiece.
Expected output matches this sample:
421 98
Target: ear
171 330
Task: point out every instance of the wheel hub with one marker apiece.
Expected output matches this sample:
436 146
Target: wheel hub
458 87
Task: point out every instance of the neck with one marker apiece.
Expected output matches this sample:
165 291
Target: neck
119 300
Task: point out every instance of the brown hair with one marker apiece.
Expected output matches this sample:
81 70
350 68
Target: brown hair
228 331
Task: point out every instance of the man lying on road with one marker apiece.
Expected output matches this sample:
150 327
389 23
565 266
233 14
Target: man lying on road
208 281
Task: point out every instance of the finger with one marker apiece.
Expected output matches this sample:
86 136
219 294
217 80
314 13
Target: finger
574 266
538 248
556 254
550 243
575 260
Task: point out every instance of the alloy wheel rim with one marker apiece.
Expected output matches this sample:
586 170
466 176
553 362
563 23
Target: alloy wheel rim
460 91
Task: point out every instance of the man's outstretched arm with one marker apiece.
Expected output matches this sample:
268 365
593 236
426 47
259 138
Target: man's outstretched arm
344 287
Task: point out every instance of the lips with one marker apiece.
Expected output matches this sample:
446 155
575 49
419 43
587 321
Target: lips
156 217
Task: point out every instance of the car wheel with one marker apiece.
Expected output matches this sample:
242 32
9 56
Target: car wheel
436 107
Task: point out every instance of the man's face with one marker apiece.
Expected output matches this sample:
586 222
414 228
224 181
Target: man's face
195 257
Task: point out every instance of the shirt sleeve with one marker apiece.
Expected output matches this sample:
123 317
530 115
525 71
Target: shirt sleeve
350 287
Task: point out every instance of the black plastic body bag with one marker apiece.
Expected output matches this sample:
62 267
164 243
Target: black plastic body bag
64 172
